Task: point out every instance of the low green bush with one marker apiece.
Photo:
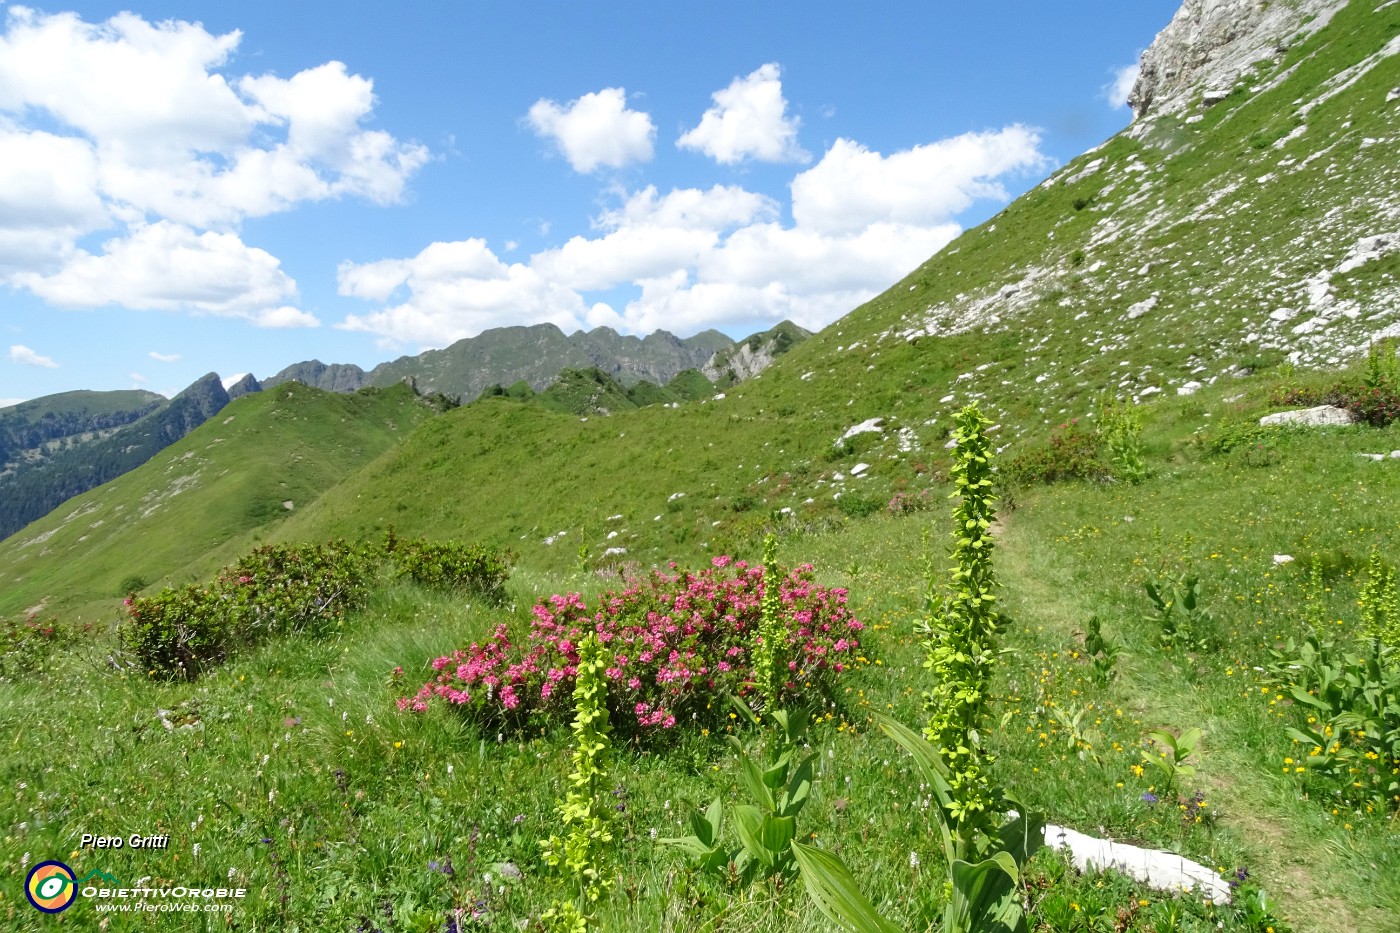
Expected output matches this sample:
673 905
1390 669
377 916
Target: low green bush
1377 405
176 632
1071 452
283 589
856 505
452 565
26 646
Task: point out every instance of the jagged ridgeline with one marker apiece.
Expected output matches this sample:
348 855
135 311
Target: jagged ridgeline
206 498
536 355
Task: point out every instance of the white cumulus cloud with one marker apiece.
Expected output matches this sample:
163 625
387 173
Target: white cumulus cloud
170 267
749 120
165 357
454 290
19 353
129 127
1121 86
705 257
853 187
650 235
595 130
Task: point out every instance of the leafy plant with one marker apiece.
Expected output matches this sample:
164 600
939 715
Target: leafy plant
1382 365
960 628
1178 614
985 855
1349 737
1101 650
772 633
1380 602
777 789
1172 754
766 828
1121 430
582 854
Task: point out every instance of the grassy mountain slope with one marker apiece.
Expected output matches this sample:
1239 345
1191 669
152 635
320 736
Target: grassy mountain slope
1178 254
200 501
32 426
1146 267
38 487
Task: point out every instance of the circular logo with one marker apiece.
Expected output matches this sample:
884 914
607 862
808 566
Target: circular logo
50 887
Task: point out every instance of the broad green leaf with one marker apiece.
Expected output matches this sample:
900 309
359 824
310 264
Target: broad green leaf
1163 738
1187 743
752 779
799 788
776 832
749 822
716 860
830 886
744 709
706 825
985 899
1024 835
688 844
714 816
775 776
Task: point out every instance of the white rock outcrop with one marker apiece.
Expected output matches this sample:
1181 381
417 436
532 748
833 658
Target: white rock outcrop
1210 44
1322 414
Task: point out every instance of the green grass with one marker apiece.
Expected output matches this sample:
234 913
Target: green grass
363 797
202 501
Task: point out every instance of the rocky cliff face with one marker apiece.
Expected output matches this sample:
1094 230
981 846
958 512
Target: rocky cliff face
1210 45
754 355
505 355
243 386
337 377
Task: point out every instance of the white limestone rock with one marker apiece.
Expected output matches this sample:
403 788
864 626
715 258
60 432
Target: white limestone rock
1321 415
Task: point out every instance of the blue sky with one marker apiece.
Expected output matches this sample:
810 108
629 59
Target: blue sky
239 186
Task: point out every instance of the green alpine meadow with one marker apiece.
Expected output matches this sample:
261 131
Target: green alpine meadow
1000 604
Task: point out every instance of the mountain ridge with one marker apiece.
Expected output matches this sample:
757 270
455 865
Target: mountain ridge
535 353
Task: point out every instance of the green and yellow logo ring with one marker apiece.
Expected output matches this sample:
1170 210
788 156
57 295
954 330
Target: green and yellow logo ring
50 887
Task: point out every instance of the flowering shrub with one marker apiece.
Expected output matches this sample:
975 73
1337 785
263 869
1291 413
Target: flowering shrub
906 503
26 646
1376 405
673 643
